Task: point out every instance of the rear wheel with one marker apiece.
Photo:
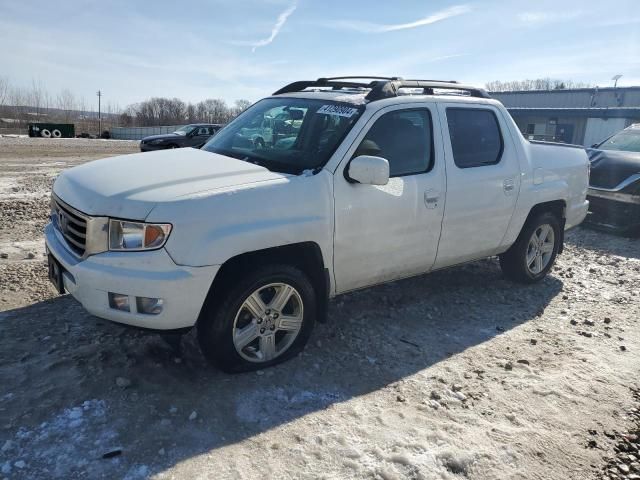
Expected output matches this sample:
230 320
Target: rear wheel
265 319
532 255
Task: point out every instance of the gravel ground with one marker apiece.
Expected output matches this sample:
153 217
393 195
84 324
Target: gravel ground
454 375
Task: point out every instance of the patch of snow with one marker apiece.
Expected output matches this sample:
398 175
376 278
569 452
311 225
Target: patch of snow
137 472
265 406
69 441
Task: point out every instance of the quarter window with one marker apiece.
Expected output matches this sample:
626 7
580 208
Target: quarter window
475 137
404 138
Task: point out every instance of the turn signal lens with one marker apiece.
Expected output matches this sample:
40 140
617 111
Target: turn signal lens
154 236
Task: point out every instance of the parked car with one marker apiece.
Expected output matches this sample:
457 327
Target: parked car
247 243
195 135
614 185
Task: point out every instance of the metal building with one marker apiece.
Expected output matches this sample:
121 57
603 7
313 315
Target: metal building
582 116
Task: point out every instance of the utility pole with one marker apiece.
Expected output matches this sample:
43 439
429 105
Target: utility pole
99 113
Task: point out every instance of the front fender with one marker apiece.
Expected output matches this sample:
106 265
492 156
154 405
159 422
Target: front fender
212 227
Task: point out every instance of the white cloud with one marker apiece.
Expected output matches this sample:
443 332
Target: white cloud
370 27
536 18
280 21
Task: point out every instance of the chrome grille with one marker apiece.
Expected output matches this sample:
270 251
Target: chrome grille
71 224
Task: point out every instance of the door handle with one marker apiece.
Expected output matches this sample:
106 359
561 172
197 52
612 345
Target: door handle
508 185
431 198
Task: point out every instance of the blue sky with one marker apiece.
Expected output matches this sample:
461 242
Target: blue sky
133 50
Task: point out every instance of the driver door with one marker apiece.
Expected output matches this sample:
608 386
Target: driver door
385 232
200 137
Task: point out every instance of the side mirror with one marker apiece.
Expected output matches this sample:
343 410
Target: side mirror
369 170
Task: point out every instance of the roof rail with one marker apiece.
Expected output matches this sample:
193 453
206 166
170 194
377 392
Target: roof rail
383 87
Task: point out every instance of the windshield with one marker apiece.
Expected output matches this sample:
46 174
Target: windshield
626 140
184 130
287 134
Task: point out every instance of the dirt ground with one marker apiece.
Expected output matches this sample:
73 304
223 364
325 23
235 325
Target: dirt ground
459 374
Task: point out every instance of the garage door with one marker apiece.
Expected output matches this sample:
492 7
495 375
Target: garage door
600 128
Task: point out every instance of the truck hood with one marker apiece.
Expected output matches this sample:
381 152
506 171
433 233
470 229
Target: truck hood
611 167
129 186
162 136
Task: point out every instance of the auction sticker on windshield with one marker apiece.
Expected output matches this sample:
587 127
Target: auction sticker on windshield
338 110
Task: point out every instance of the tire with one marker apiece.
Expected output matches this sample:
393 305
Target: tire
236 339
528 260
45 133
56 133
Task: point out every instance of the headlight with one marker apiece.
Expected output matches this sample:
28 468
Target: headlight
125 235
156 142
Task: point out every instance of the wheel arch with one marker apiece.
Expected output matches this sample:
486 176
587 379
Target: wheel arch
558 208
307 256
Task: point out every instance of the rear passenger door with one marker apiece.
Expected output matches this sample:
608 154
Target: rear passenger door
483 181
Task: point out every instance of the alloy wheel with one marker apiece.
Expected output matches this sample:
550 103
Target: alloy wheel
540 248
268 322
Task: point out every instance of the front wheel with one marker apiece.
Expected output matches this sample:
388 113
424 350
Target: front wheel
265 319
532 255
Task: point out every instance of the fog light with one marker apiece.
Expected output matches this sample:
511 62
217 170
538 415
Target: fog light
119 301
150 306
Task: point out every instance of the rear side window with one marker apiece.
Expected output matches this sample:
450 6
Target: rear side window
404 138
475 137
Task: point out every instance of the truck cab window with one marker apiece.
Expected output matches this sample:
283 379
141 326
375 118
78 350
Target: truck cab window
404 138
475 137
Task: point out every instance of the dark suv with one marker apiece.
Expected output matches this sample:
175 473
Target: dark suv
195 135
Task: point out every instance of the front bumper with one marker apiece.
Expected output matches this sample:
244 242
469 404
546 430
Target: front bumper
614 210
137 274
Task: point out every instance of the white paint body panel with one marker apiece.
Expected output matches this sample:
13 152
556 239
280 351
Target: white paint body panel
221 207
474 194
384 232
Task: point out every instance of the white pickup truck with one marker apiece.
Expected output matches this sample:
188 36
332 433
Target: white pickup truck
384 178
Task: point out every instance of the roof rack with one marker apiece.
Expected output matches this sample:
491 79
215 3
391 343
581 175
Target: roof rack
383 87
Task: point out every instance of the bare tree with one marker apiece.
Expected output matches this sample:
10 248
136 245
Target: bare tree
67 103
535 84
4 90
240 106
191 113
159 111
213 110
36 96
17 98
